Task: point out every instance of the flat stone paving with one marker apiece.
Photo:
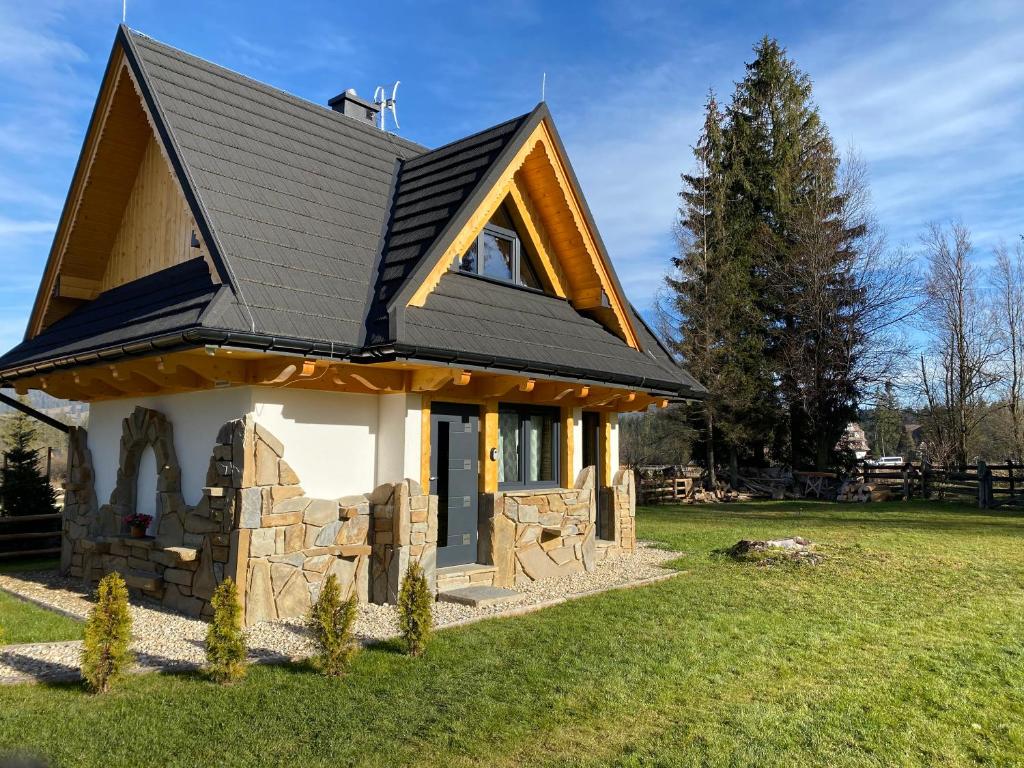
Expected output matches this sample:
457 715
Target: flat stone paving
479 596
166 640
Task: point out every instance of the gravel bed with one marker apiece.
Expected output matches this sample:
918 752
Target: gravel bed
166 640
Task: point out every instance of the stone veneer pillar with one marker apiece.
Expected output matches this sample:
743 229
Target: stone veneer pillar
404 531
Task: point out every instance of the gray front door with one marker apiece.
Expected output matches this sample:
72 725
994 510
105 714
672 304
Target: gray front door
454 447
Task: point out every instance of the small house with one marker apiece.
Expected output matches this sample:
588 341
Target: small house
313 347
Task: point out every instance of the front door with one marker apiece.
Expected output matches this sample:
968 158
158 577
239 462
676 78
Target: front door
454 467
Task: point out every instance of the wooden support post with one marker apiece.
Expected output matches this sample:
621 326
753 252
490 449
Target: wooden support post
488 441
906 481
1013 490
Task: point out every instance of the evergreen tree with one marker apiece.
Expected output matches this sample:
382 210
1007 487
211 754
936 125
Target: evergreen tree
24 490
108 633
225 640
793 229
887 423
332 624
415 615
711 321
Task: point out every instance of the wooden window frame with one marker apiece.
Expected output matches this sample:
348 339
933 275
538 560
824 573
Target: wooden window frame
517 254
524 412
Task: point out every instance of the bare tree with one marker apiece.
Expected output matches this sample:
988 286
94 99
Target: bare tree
1008 310
964 347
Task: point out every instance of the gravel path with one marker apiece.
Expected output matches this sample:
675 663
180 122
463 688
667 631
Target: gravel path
165 640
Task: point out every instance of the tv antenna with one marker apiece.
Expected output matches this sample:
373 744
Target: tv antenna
382 100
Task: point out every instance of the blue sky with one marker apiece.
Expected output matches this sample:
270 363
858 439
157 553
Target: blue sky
930 94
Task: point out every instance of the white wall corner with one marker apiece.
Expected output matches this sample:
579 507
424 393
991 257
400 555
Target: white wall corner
577 446
613 448
398 438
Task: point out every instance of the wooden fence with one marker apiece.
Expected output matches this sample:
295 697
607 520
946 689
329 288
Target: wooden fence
29 535
664 490
991 485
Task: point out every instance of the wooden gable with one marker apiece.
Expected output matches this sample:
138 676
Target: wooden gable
126 215
538 188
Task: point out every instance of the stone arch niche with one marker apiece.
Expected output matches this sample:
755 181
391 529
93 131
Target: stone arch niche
143 429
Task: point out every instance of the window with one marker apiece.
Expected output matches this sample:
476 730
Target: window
527 447
498 253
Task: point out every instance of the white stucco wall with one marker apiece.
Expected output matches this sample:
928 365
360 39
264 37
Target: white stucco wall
400 428
614 447
330 438
196 418
577 446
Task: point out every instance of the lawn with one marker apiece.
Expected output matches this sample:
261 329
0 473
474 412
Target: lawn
905 647
22 622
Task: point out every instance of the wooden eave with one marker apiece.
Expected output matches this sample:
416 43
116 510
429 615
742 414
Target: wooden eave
200 369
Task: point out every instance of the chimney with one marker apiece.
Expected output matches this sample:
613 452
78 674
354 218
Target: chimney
350 105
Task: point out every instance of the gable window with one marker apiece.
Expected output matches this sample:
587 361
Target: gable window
527 447
498 253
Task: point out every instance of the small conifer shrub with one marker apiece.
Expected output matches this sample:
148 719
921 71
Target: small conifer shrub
332 623
225 641
108 632
415 618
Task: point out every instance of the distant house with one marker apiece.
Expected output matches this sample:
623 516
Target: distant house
314 347
854 439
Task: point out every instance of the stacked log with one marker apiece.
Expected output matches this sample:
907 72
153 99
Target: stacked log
857 491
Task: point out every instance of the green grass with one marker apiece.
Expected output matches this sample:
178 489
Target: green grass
905 647
23 622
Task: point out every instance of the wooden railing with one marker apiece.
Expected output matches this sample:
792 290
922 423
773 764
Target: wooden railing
29 535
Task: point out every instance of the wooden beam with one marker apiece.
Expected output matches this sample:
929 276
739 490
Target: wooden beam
69 287
379 379
425 444
433 379
488 441
566 448
37 415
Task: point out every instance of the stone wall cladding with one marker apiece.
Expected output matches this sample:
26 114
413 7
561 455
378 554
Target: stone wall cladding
404 531
535 534
623 506
182 565
254 523
295 542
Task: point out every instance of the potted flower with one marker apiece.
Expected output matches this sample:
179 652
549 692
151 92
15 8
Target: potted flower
137 524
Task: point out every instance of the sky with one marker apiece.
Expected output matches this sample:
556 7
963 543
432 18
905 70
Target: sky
929 94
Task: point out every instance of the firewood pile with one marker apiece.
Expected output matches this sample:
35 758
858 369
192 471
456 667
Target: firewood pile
721 493
855 490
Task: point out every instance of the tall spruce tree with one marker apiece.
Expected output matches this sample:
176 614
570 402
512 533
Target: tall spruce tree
716 328
23 488
788 212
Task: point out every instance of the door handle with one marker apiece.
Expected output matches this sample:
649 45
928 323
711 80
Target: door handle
433 478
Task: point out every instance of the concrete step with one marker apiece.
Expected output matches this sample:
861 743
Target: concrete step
479 596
